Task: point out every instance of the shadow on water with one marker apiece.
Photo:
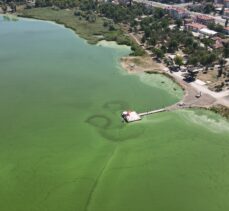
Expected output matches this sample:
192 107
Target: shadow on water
112 128
116 105
99 121
127 132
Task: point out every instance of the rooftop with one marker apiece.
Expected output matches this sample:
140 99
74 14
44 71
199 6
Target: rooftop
131 116
196 25
208 31
178 9
204 17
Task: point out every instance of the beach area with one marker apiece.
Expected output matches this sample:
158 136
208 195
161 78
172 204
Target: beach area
208 98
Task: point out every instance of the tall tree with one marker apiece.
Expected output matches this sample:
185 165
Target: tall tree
178 60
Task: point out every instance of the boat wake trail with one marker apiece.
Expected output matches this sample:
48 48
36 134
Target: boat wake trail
97 180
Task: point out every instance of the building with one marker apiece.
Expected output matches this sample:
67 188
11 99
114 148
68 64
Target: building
131 116
208 32
226 3
177 12
195 27
226 13
204 19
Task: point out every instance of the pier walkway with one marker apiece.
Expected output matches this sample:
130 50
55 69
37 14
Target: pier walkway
152 112
132 116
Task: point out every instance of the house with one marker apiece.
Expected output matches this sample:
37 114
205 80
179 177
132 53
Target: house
177 12
208 32
195 27
204 19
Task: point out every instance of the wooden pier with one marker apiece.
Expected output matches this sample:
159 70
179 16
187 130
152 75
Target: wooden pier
133 116
152 112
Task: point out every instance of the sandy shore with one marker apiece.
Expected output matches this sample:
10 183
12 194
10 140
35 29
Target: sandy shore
192 90
135 64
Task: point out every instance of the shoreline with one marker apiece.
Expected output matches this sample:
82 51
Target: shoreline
207 101
140 64
91 32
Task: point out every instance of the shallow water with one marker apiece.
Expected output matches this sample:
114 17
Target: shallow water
62 143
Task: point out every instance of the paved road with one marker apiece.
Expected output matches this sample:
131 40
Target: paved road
218 19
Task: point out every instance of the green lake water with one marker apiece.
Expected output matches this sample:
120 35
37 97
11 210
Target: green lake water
63 146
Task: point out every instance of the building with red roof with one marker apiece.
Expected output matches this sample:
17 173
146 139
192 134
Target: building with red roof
177 12
204 19
196 27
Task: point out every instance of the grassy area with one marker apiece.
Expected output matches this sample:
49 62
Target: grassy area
82 27
92 32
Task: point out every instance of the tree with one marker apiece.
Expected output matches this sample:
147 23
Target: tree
188 41
193 60
226 50
209 8
178 23
172 45
211 58
13 6
158 13
4 8
158 52
221 67
178 60
216 27
91 18
152 40
143 39
78 13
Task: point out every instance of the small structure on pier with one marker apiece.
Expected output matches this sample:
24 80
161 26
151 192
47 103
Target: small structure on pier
130 116
133 116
